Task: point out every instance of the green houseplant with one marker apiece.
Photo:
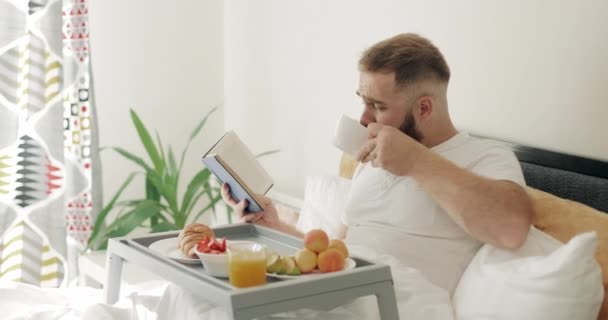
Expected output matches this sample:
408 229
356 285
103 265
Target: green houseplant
162 209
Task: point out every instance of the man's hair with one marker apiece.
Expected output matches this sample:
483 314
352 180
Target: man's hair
411 57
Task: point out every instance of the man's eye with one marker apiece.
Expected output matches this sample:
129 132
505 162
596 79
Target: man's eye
379 107
374 106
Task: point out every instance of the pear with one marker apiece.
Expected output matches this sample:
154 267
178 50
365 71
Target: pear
283 266
274 263
291 267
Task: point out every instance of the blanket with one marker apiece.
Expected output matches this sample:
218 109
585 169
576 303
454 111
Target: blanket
416 297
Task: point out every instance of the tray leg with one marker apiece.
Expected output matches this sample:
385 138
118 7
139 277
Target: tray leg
387 302
113 277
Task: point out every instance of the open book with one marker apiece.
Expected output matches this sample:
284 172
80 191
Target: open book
233 163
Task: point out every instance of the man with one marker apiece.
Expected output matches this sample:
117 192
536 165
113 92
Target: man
422 192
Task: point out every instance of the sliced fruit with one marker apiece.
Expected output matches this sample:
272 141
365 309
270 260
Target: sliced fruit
274 263
291 267
283 267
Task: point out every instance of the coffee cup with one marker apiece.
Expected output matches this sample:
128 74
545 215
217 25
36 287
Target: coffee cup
350 135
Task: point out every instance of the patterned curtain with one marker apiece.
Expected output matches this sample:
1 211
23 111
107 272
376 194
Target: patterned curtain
49 186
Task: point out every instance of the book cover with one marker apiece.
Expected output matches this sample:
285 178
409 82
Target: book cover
232 163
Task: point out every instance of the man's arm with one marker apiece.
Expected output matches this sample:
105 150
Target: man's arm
498 212
494 211
269 217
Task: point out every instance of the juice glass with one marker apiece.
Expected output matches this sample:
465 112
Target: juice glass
246 264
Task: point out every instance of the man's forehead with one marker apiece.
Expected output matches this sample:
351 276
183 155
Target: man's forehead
377 84
385 78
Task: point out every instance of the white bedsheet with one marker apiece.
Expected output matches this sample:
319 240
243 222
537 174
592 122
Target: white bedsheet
417 299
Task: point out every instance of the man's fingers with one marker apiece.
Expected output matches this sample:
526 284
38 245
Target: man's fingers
373 129
226 196
250 217
370 158
240 207
366 150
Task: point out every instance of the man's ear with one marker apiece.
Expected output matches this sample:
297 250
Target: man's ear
424 107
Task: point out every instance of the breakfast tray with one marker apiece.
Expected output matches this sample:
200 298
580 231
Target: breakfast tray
321 292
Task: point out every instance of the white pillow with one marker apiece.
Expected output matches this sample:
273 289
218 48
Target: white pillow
324 200
542 280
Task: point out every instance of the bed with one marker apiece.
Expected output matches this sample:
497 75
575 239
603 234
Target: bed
578 179
569 193
570 196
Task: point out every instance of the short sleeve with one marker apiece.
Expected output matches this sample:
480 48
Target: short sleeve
498 163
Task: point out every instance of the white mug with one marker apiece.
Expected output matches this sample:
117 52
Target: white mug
350 135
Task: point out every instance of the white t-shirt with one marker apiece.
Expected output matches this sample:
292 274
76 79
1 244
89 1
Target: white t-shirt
393 215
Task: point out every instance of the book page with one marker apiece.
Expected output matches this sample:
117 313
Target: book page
242 161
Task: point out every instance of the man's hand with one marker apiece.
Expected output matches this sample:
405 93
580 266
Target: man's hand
268 217
390 149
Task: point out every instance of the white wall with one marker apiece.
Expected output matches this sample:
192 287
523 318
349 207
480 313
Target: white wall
165 60
533 72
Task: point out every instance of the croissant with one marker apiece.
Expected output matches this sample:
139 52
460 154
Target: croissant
190 236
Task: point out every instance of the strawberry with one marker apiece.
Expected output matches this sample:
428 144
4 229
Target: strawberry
211 245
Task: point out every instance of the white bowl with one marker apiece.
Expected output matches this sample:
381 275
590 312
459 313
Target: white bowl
217 264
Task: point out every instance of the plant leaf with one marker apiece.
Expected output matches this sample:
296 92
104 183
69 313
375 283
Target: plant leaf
267 153
164 226
132 219
152 193
209 206
203 192
163 188
201 124
172 164
128 203
132 203
132 157
195 184
173 172
208 190
146 140
101 217
193 135
160 145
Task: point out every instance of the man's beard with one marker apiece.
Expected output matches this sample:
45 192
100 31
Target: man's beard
408 126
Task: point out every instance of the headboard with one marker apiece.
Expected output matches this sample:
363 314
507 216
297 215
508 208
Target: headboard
566 176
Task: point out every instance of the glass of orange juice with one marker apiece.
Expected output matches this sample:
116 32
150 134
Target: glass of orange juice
246 264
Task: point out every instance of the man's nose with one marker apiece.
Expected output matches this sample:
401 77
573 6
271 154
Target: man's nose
366 118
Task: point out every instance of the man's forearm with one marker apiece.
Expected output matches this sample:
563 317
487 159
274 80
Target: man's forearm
493 211
289 229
